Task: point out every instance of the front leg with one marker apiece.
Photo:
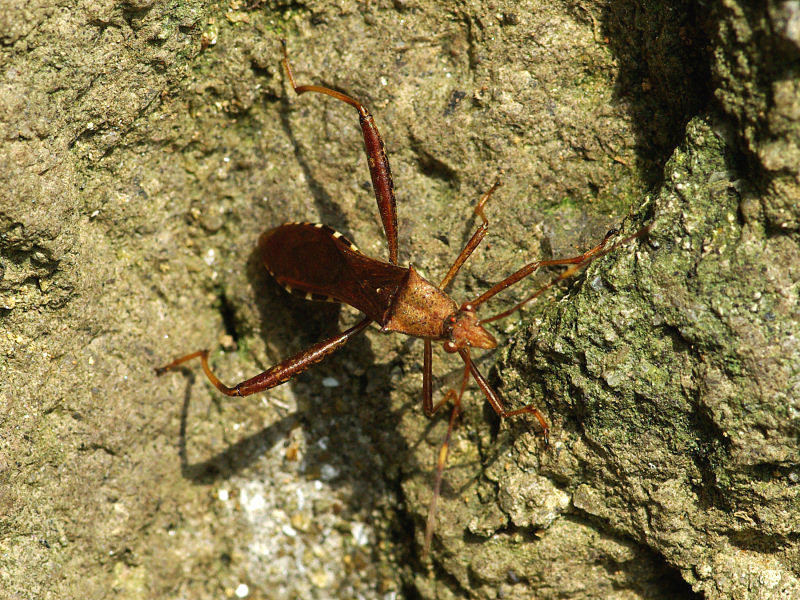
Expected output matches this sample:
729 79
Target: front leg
476 238
497 404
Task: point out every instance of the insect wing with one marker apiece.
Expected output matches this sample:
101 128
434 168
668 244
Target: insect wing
319 263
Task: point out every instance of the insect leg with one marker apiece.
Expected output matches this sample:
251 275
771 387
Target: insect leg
427 382
427 379
476 238
522 273
497 404
577 263
281 372
378 163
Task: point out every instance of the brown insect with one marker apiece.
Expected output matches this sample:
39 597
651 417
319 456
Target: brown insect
320 264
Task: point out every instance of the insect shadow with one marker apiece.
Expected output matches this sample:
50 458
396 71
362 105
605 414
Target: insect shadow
353 418
319 263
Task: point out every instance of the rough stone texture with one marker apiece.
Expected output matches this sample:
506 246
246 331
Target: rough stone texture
673 371
755 59
146 144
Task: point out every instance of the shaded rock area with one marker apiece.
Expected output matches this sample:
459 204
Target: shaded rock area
147 144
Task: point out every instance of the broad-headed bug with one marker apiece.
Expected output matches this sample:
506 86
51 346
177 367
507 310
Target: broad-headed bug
320 264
